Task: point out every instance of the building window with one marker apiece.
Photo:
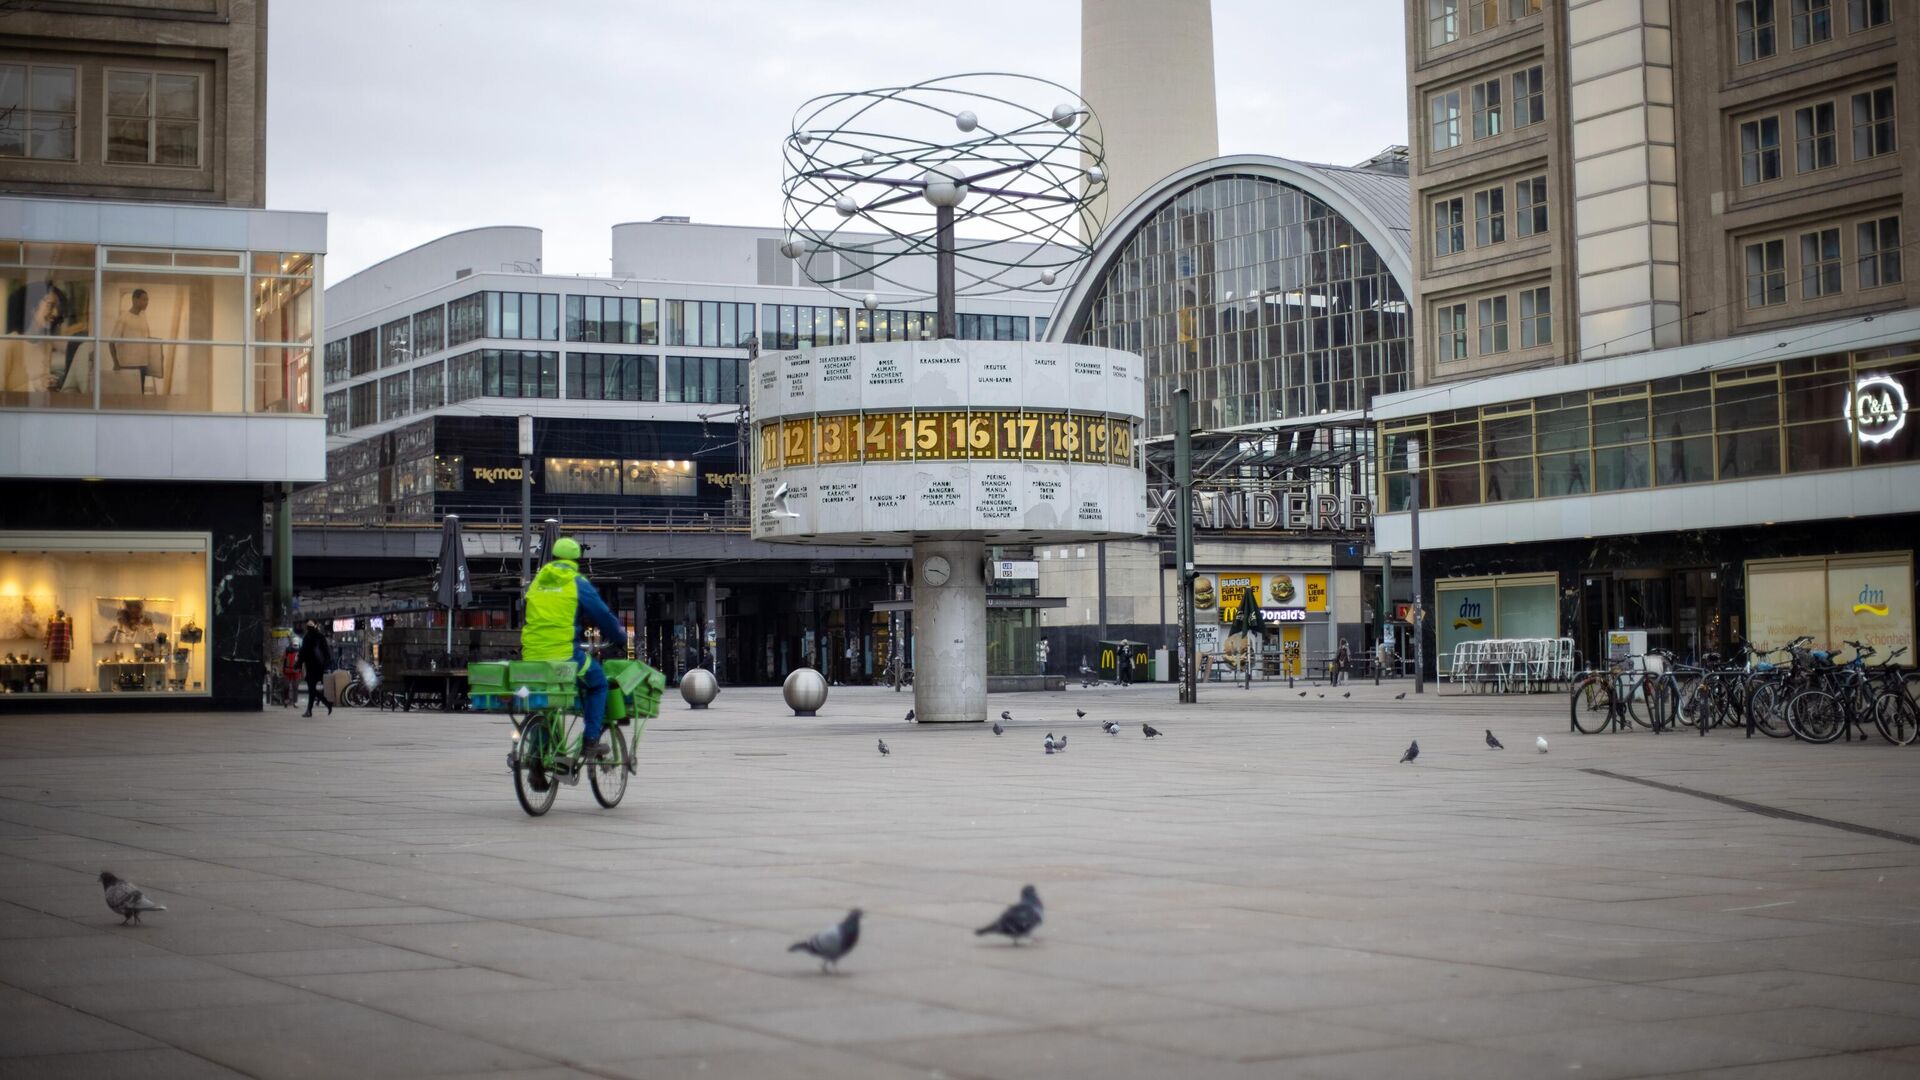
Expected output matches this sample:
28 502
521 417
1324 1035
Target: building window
336 403
608 377
1812 22
1490 216
613 319
466 320
791 326
396 398
710 324
1753 29
429 331
1873 123
1529 96
708 380
1443 22
890 325
1520 9
1766 273
514 373
1451 342
1446 120
1813 135
522 315
1760 150
363 352
338 368
1878 243
37 111
1486 109
429 386
991 327
1493 325
1819 263
393 342
1483 15
1530 206
153 118
1866 14
1449 226
364 404
1536 317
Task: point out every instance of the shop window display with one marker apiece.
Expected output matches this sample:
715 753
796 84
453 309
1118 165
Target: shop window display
83 614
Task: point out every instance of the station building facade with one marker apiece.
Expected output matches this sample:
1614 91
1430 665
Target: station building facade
1277 292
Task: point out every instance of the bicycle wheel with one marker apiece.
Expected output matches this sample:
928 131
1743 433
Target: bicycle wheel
1897 718
1767 707
609 776
1592 704
355 696
533 785
1645 700
1816 716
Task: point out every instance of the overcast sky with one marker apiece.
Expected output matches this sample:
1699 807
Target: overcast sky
410 119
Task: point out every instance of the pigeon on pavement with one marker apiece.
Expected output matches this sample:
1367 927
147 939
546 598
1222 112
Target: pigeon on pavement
909 716
832 943
1493 743
1323 695
997 729
1049 748
1051 743
1060 744
126 899
1347 694
1020 920
1081 713
1401 696
1303 693
1412 752
1007 716
1149 730
1540 743
883 748
1112 727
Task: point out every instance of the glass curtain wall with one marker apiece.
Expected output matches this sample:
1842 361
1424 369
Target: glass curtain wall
1259 297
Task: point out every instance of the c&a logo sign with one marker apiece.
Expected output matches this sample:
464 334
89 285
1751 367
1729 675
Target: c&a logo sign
1469 617
1877 409
1872 601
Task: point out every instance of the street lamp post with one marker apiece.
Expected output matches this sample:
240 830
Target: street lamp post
526 509
1419 605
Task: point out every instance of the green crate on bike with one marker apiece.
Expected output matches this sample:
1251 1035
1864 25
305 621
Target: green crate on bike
549 684
487 689
635 689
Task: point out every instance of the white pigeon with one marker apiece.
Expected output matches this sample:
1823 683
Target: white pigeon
1540 743
126 899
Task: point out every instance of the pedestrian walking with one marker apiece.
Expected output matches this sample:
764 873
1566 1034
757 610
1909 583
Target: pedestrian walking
316 656
1341 660
1123 660
1041 652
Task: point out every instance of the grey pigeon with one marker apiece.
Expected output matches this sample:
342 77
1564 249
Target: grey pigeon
1149 730
1323 695
1303 693
1401 696
883 748
126 899
1347 694
1020 920
1412 752
997 729
1112 727
1060 744
1007 716
1081 713
832 943
1050 743
1049 748
1493 743
909 716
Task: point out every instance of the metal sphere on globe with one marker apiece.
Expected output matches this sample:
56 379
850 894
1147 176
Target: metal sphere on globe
867 158
793 249
943 188
1065 114
1096 174
870 302
804 691
845 206
965 120
1048 277
804 137
699 688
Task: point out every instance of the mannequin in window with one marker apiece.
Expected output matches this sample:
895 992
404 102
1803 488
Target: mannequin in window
133 348
36 309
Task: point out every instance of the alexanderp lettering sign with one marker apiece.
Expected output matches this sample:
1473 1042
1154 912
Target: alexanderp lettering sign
1292 510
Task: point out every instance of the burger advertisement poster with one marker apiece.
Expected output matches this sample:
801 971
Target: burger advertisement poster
1219 595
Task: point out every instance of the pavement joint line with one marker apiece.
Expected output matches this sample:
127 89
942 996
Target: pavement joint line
1762 809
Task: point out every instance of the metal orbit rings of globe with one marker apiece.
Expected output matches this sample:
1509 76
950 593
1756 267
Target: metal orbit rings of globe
868 171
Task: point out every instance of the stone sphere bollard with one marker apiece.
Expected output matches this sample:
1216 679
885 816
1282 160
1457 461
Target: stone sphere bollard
699 688
805 691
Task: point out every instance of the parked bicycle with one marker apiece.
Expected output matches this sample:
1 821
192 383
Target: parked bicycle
1842 697
1768 686
1626 693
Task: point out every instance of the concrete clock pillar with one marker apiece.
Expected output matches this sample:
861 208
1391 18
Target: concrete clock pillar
950 621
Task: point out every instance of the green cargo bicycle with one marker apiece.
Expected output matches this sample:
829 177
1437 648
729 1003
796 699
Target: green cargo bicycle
542 699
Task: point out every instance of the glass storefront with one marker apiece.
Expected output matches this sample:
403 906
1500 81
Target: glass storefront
1866 598
1483 608
156 330
1836 411
120 613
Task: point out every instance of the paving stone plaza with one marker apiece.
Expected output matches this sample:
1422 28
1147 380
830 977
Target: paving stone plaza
1263 892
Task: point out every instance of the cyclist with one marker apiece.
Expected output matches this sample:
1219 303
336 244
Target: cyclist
561 604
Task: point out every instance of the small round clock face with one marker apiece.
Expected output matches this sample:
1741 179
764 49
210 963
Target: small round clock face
936 570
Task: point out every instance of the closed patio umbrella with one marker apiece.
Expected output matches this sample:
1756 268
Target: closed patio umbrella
451 587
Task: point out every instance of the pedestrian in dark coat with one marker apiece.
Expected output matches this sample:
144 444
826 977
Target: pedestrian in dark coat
316 656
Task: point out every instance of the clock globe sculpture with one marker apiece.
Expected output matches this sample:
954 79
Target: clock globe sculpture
942 444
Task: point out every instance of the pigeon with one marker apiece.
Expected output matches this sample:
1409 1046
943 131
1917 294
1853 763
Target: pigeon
1081 713
883 748
997 729
126 899
1347 694
1112 727
1020 920
1007 716
1401 696
1303 693
1061 744
1412 752
1323 695
909 716
832 943
1540 743
1149 730
1493 743
1050 743
1049 748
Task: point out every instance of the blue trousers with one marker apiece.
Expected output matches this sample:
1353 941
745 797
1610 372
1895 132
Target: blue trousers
593 694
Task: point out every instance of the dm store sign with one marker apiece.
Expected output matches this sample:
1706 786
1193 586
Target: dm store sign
1871 604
